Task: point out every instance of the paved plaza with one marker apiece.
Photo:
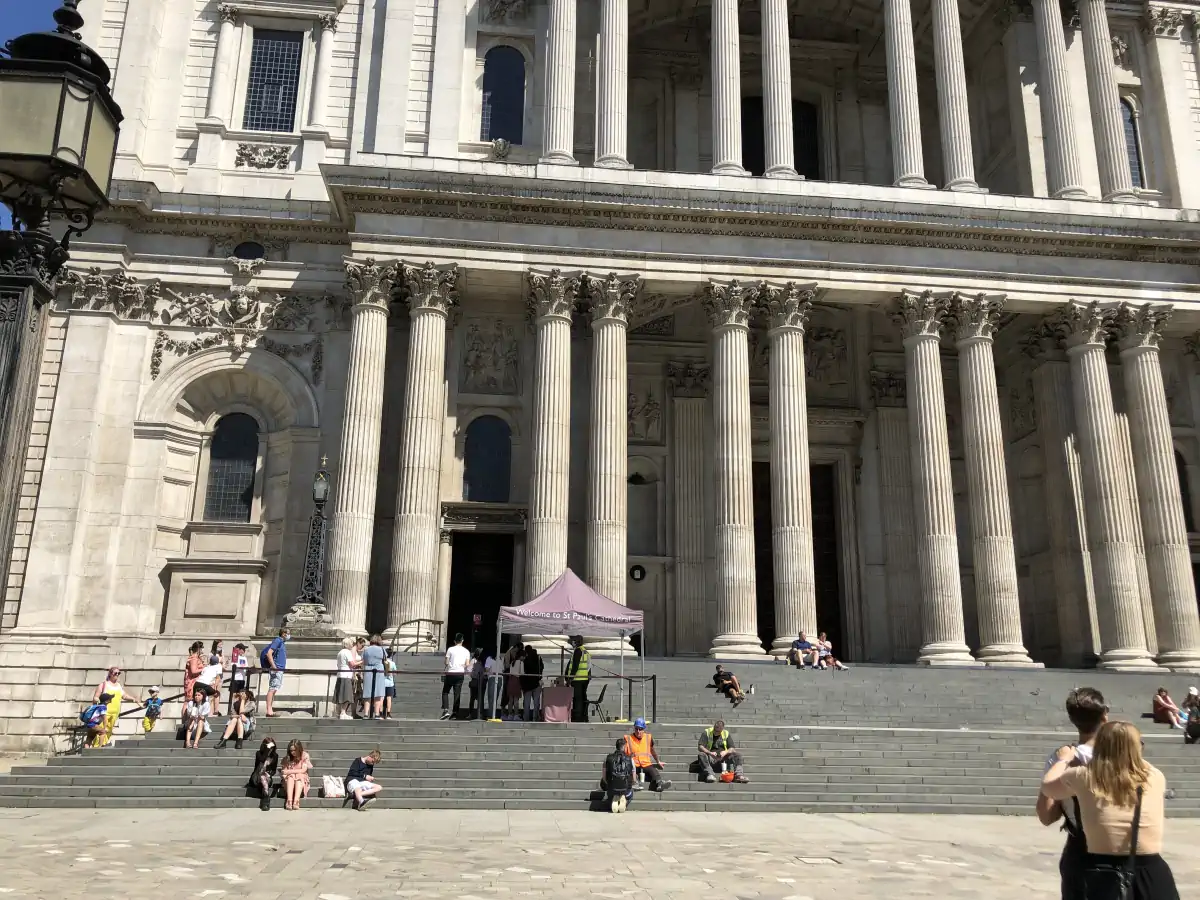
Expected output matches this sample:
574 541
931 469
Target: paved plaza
327 855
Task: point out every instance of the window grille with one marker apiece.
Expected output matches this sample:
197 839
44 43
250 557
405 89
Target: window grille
274 81
233 460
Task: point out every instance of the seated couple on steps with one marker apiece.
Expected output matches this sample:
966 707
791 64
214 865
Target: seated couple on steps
816 654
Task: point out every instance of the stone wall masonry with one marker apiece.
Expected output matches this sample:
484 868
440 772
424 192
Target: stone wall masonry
202 47
420 78
112 28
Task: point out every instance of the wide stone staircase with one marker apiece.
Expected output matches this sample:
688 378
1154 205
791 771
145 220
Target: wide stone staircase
875 739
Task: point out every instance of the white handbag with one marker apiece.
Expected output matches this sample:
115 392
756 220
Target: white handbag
332 786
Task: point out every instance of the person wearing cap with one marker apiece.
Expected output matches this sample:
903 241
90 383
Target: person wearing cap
717 750
616 779
579 673
639 746
1191 706
153 708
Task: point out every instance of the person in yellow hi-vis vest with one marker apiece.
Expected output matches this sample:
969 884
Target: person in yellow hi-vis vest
719 752
639 747
579 673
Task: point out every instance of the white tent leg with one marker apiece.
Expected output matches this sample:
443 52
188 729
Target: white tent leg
643 674
621 682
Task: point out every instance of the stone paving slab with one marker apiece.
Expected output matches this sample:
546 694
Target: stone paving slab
496 855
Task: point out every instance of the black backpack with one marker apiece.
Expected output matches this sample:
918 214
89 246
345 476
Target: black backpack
618 771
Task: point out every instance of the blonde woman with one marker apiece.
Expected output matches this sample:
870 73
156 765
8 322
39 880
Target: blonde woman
343 692
1116 788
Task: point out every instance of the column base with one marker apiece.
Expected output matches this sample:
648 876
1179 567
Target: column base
736 646
609 648
781 647
1007 656
914 181
946 654
558 159
1071 193
1180 661
1124 197
1135 660
965 186
613 162
729 169
786 173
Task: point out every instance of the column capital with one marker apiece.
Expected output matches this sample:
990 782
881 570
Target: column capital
789 306
445 536
1140 325
888 388
553 295
228 13
369 283
688 379
920 314
1162 21
328 22
975 316
612 296
430 289
729 304
1080 324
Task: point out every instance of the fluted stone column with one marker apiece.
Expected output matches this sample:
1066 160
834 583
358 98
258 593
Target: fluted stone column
690 383
953 111
1168 557
943 635
778 139
791 488
728 307
445 565
220 88
904 108
608 438
996 590
430 293
323 71
1110 532
558 133
551 299
1116 182
353 518
726 89
1062 154
612 96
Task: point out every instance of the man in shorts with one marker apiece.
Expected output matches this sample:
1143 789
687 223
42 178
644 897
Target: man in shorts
274 661
1087 711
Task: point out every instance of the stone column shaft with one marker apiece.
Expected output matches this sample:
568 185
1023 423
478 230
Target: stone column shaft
943 635
441 610
900 550
689 381
221 86
904 108
778 139
726 89
791 481
1110 533
559 130
996 590
953 111
728 307
353 515
1168 556
1116 181
431 293
612 99
323 72
552 299
1062 154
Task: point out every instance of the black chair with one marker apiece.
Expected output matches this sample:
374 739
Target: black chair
594 708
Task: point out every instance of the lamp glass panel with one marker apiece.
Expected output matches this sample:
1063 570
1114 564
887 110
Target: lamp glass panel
28 111
101 145
72 131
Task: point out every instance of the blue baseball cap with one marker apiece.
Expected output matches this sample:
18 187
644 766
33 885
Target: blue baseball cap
639 722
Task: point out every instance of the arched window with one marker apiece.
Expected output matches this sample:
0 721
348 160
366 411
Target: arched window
232 461
1133 143
503 95
1185 492
487 457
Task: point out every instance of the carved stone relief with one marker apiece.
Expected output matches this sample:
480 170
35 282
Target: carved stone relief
826 357
645 412
663 327
262 156
491 361
1022 411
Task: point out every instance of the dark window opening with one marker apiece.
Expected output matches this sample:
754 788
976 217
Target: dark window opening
250 250
1132 145
274 81
503 95
806 143
1185 492
233 460
487 458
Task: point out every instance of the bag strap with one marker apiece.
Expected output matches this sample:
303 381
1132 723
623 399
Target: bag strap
1137 820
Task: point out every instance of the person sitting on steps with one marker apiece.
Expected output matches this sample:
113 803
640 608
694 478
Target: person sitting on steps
727 683
241 719
639 746
716 748
266 763
825 657
616 779
804 652
1165 710
360 780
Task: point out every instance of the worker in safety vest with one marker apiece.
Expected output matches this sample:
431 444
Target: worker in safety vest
579 674
716 750
639 745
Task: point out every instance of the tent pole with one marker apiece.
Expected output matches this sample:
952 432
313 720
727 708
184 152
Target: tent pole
621 682
643 674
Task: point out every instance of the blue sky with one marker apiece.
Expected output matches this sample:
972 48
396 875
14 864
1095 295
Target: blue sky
20 16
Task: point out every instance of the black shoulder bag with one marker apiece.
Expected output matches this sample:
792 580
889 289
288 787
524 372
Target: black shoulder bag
1112 880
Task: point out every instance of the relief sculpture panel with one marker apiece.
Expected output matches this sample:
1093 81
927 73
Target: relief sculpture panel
826 358
491 358
645 412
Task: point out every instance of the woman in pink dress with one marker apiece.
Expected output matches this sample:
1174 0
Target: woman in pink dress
295 774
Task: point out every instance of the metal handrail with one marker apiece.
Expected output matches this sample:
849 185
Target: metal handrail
433 636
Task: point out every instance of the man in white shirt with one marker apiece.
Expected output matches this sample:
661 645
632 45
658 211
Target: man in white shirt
458 658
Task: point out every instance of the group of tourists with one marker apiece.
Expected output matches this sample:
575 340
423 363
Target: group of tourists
358 784
366 679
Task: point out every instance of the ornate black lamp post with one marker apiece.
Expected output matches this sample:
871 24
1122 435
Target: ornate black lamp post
58 139
308 617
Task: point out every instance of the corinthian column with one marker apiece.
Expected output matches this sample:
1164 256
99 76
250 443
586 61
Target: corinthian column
221 85
608 456
791 488
1106 493
558 139
1116 182
612 96
987 483
777 91
1168 557
1062 155
353 518
431 292
551 300
323 71
908 169
728 308
943 636
726 89
953 111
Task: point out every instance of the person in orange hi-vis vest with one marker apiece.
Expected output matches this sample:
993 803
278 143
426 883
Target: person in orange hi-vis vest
639 745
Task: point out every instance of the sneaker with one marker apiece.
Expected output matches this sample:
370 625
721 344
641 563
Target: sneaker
664 786
639 786
363 805
622 803
445 714
740 779
616 804
711 779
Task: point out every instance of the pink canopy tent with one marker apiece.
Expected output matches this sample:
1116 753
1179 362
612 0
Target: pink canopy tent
568 606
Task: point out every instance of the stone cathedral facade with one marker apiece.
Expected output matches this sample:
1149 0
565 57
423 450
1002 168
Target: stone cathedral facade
875 317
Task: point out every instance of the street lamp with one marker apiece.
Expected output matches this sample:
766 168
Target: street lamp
58 139
308 617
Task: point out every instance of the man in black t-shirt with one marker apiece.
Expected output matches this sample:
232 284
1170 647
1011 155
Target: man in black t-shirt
727 683
616 780
360 780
